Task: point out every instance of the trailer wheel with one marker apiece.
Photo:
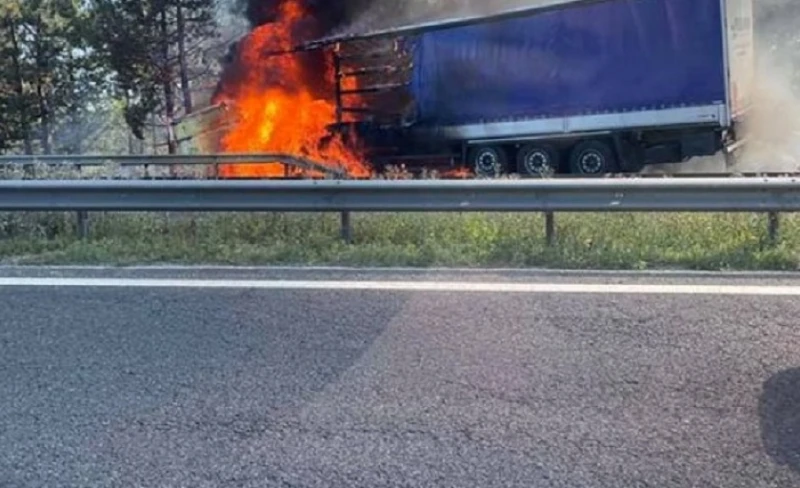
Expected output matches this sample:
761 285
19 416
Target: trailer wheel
592 158
488 160
537 160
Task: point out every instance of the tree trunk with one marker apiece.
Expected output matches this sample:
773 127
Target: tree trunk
44 110
183 64
19 88
77 134
166 73
42 68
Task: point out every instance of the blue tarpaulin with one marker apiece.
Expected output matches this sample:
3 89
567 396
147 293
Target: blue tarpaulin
619 55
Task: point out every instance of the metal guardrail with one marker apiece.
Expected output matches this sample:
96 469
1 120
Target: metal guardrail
330 171
128 160
588 195
758 195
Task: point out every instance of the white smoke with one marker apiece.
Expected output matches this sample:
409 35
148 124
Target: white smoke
774 124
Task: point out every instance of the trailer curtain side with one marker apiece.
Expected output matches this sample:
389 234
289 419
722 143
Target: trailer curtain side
615 56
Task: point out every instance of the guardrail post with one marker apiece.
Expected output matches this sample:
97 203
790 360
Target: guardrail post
83 224
549 228
773 227
346 228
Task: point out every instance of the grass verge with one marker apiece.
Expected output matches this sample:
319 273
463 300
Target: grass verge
608 241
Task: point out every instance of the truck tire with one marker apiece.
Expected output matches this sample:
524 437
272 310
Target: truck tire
488 160
592 158
538 160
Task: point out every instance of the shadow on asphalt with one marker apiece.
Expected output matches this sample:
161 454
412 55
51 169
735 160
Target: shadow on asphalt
779 411
149 386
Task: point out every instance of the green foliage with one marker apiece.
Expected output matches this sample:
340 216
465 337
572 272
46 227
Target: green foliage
130 54
65 63
584 241
142 55
50 79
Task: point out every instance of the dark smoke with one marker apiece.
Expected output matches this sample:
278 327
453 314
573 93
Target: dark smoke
324 16
327 14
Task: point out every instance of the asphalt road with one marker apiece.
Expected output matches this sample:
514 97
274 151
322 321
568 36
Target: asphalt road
204 387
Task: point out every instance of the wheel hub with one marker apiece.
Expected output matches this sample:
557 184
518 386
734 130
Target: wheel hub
537 162
487 162
592 162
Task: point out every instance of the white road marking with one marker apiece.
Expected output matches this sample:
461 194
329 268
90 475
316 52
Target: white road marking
441 286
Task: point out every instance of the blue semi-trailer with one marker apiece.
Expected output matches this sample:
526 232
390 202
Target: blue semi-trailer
588 88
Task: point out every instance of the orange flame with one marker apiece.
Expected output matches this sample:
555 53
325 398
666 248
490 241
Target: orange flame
461 172
276 109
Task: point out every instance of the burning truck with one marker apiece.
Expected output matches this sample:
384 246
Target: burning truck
581 87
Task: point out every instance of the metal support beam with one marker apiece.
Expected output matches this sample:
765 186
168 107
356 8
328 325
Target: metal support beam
374 89
346 228
337 87
773 228
550 228
82 224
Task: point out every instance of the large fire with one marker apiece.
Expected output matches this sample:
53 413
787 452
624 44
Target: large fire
277 106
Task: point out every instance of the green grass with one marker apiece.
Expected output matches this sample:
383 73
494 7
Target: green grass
609 241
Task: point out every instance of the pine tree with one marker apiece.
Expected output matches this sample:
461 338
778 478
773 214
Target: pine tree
48 72
152 46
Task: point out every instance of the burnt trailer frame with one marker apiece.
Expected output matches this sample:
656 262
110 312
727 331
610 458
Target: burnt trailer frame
492 148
